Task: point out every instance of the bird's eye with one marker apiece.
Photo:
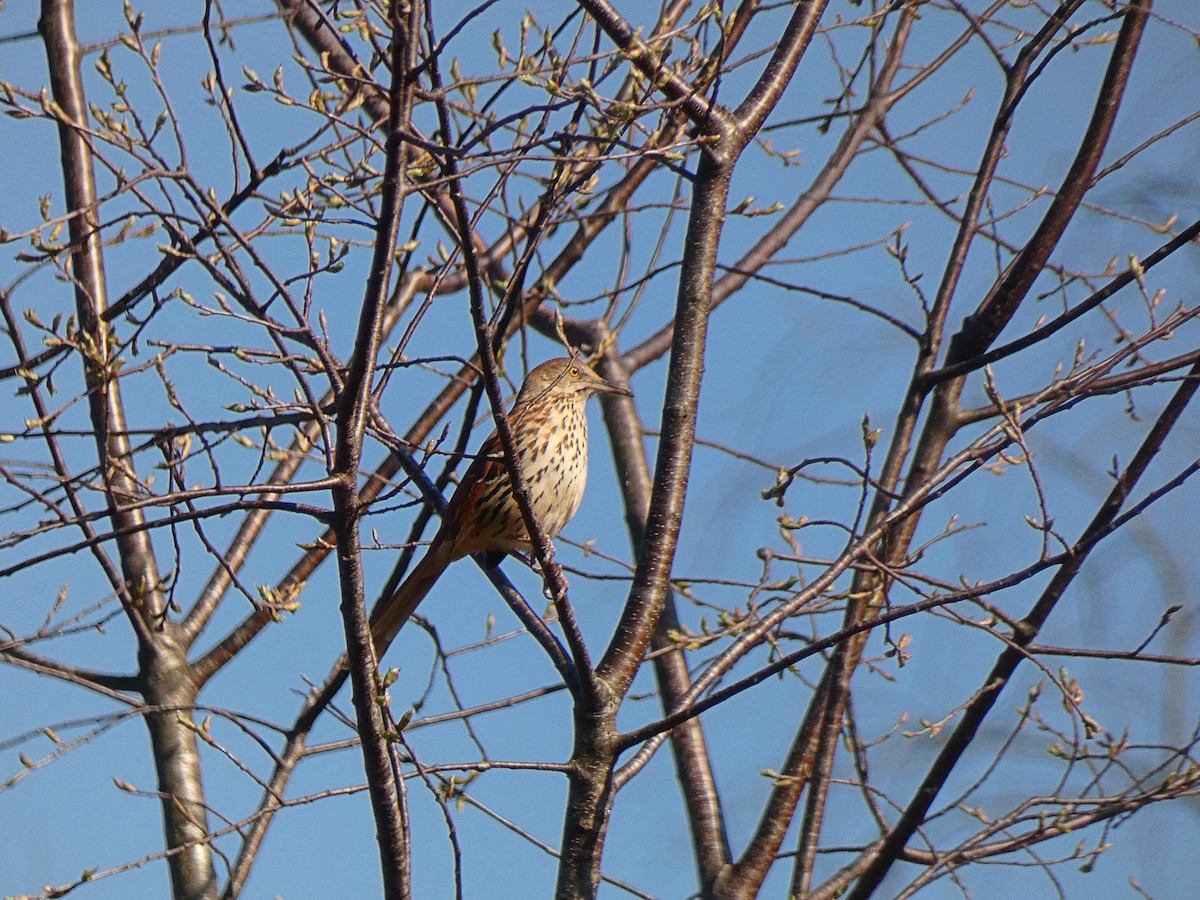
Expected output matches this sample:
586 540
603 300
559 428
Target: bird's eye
575 370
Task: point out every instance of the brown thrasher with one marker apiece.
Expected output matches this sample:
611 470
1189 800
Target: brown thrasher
549 429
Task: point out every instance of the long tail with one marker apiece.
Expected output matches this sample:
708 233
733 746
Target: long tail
389 616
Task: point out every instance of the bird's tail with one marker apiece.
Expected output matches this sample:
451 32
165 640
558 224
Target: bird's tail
388 617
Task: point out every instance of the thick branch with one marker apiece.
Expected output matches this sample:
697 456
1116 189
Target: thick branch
143 599
693 766
354 409
165 679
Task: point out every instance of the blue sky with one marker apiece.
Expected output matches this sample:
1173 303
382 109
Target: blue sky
789 376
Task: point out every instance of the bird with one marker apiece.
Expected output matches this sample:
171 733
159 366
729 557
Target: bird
549 429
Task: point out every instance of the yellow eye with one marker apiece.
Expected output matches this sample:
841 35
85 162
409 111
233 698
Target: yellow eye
575 370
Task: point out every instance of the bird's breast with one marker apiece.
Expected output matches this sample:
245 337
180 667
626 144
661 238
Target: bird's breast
554 462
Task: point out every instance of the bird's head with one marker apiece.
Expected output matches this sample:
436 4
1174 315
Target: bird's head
565 378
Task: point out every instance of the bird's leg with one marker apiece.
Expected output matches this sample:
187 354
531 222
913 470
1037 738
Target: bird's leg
535 564
547 588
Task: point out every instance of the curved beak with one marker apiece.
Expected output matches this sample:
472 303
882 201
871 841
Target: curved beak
603 386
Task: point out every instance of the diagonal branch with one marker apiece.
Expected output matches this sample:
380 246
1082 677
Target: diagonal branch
1024 634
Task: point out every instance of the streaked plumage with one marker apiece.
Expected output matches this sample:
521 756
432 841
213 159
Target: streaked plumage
549 427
